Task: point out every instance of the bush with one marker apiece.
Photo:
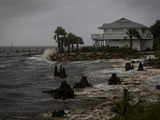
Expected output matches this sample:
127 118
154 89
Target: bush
126 109
114 80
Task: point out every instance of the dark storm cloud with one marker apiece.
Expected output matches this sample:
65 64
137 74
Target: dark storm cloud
18 8
152 3
150 6
31 22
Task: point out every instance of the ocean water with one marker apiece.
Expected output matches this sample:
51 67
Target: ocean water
22 80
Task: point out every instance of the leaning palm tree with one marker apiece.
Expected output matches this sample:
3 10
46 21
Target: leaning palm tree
59 36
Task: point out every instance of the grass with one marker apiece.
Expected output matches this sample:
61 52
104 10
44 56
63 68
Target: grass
127 110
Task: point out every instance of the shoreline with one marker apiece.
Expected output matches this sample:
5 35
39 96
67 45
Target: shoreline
105 95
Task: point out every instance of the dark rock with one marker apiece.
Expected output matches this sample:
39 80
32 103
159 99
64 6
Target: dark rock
158 87
114 80
61 73
48 91
64 91
83 83
140 67
129 66
55 71
61 69
59 113
132 66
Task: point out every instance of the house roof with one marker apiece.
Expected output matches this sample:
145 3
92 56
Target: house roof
122 23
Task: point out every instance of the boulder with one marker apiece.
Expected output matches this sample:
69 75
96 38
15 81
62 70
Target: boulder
129 66
158 87
114 80
63 92
55 71
83 83
140 67
59 113
61 72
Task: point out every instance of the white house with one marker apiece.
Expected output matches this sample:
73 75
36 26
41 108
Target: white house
115 35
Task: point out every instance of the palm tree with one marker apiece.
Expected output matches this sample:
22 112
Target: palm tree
70 41
59 36
79 40
131 34
155 29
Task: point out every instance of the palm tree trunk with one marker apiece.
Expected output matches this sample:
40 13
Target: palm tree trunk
131 43
68 48
141 44
72 47
62 44
77 47
59 44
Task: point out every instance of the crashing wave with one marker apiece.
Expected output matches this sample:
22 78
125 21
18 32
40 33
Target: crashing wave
48 52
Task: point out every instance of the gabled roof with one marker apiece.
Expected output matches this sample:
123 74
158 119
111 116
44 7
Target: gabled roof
122 23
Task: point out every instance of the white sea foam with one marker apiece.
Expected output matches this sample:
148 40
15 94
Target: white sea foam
48 52
37 58
45 56
153 81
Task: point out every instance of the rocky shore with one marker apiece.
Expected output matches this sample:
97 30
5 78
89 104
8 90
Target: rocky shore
94 103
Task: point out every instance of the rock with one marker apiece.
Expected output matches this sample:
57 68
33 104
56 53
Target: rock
83 83
114 80
64 73
158 87
129 66
48 91
59 113
61 73
55 71
140 67
63 92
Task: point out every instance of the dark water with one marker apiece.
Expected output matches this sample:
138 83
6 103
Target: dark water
22 80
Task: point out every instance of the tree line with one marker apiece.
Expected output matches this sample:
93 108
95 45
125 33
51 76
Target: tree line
155 31
67 41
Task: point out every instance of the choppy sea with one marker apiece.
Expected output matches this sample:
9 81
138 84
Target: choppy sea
22 80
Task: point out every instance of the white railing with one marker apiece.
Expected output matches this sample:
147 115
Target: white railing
97 36
108 36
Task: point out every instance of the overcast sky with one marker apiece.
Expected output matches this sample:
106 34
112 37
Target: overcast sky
32 22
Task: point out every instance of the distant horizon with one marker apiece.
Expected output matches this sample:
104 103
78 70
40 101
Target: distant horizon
36 46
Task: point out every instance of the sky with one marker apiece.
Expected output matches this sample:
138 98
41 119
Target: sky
33 22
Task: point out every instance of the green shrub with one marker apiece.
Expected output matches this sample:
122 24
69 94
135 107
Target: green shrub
127 110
